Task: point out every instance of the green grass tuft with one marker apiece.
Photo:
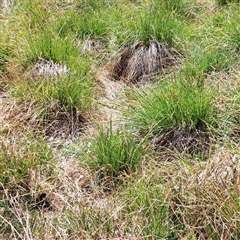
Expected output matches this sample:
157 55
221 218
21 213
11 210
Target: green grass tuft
171 105
49 46
115 153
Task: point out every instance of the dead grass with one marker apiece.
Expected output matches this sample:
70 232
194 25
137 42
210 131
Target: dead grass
203 196
139 62
111 99
46 69
191 142
25 117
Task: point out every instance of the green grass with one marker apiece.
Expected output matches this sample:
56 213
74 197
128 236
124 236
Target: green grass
49 46
19 160
115 153
81 25
225 2
205 60
70 93
160 22
146 203
110 179
178 104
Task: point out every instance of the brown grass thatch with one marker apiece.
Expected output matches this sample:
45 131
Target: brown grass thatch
190 142
139 62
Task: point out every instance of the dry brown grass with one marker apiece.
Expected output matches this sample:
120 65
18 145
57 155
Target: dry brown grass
29 117
190 142
139 62
203 195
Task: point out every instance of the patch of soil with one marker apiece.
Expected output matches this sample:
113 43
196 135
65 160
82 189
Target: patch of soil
190 142
139 62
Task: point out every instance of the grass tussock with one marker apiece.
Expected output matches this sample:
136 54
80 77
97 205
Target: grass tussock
171 105
53 98
175 115
114 154
139 62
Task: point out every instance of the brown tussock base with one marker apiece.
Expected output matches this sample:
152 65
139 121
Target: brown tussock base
138 63
190 142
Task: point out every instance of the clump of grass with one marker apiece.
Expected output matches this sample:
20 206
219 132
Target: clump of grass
160 21
175 115
159 24
49 46
21 159
150 35
56 103
115 153
171 105
139 62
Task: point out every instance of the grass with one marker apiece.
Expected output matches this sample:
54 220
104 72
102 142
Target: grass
115 153
20 160
3 58
51 47
203 61
225 2
170 105
159 22
147 205
23 161
85 156
66 98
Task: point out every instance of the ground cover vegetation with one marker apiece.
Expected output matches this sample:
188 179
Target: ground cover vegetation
119 119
